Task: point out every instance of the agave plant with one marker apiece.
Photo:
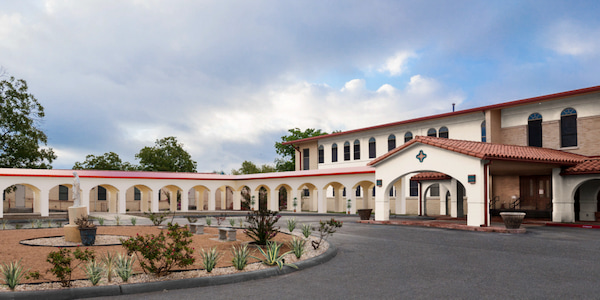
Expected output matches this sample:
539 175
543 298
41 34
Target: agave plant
210 258
12 273
94 271
297 246
306 230
124 266
272 257
291 224
240 256
109 262
133 221
232 222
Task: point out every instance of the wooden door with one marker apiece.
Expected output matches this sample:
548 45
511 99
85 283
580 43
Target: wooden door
536 193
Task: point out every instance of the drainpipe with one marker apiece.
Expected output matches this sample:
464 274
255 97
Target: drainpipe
486 205
420 199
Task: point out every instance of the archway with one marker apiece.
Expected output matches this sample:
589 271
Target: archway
307 197
198 198
103 198
586 200
169 198
285 202
21 198
138 199
224 198
336 201
264 197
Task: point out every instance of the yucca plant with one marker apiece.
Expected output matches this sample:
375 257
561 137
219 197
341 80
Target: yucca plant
297 246
124 266
32 223
306 230
208 221
118 220
12 273
241 222
49 221
232 222
38 223
210 258
94 271
291 224
4 223
133 221
272 257
240 256
109 261
101 221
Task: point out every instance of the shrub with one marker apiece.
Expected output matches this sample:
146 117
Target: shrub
84 222
61 263
124 266
326 229
38 223
291 224
208 221
93 271
156 218
158 254
133 221
297 246
12 273
272 257
210 258
240 256
232 222
306 230
101 221
261 226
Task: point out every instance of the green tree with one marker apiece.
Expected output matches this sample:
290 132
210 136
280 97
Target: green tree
107 161
287 161
22 142
166 155
249 167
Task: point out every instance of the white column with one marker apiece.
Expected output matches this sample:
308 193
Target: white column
185 200
237 200
211 200
443 192
454 198
274 200
401 198
44 203
563 209
321 201
154 200
121 202
382 204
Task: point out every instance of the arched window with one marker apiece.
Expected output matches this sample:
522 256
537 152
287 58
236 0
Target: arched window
356 150
568 128
334 153
431 132
137 195
321 154
63 193
101 193
347 151
443 132
372 149
407 136
534 130
391 142
483 134
358 191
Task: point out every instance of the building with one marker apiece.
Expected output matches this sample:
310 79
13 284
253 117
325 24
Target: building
540 155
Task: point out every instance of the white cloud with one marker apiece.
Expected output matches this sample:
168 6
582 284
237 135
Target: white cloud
396 64
571 38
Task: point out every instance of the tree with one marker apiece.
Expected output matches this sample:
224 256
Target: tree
22 142
166 155
107 161
287 162
249 167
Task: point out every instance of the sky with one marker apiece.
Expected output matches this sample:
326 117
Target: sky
229 78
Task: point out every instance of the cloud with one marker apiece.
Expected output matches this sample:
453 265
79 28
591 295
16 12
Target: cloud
573 38
396 64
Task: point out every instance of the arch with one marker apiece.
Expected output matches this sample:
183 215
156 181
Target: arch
364 198
198 197
138 198
224 198
568 127
356 149
334 152
264 197
586 199
408 136
245 197
103 198
307 197
534 130
21 198
432 132
337 201
391 142
443 132
170 198
372 148
284 196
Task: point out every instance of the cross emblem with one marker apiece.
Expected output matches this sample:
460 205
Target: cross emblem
421 156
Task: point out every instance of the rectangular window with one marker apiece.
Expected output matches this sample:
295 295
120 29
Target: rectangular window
392 192
137 195
356 151
373 192
357 191
306 192
347 152
534 133
63 193
568 129
321 155
305 159
372 150
334 154
414 188
391 144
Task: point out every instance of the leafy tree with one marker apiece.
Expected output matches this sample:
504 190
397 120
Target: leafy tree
249 167
107 161
22 142
166 155
287 162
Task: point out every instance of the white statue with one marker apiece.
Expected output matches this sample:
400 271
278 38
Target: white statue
76 191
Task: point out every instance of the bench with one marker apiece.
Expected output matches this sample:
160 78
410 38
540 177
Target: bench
226 233
197 228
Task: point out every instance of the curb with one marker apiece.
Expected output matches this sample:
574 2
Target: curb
148 287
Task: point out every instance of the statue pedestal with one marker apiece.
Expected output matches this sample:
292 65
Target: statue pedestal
71 230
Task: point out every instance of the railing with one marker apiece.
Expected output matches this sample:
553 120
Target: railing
494 201
516 203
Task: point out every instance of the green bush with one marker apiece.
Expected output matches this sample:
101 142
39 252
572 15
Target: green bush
156 218
291 224
61 263
240 256
133 221
306 230
297 246
158 254
210 258
272 257
12 273
326 229
109 260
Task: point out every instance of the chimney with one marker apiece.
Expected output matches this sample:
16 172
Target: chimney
453 104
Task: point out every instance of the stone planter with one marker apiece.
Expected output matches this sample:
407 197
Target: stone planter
88 236
365 214
512 220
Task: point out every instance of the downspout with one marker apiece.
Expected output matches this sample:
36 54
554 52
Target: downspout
486 204
420 199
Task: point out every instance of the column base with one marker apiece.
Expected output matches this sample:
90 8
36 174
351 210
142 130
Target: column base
72 234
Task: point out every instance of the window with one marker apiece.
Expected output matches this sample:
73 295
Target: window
414 188
137 195
392 190
534 130
373 193
305 159
568 128
444 132
344 192
347 151
407 136
356 150
321 154
334 153
101 193
391 142
483 135
431 132
63 193
358 188
306 193
372 148
434 190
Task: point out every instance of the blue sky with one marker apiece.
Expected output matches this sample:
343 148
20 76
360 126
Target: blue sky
228 78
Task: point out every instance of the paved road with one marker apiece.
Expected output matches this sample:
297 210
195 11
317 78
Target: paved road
399 262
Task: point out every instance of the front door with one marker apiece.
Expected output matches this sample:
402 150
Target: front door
536 193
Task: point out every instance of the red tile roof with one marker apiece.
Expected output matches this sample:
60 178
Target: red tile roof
549 97
491 151
430 176
590 166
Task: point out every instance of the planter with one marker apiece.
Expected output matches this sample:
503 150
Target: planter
88 236
365 214
512 220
